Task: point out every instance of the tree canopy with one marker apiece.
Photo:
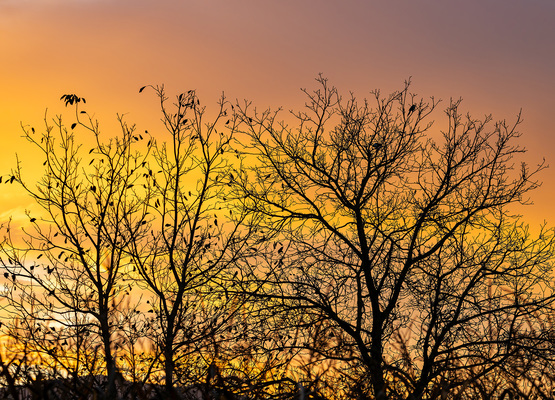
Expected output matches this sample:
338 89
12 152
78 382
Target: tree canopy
348 250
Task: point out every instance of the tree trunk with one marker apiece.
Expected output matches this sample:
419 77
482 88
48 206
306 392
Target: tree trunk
110 392
168 363
375 363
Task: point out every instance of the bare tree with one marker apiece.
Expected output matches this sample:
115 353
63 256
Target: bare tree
68 285
160 224
375 224
359 253
186 261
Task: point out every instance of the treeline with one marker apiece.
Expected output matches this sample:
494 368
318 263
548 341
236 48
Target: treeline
353 253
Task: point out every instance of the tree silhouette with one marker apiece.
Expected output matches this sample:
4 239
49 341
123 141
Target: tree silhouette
115 223
68 287
356 254
186 260
402 240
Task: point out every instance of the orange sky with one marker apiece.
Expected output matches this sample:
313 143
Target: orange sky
496 54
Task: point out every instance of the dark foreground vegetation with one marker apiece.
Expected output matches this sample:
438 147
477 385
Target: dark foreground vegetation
353 251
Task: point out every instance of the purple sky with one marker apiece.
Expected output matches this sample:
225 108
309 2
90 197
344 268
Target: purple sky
499 55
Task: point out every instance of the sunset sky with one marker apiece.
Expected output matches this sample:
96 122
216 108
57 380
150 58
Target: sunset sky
498 55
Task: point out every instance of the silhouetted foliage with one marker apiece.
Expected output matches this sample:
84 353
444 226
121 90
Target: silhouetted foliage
189 251
357 253
402 243
69 288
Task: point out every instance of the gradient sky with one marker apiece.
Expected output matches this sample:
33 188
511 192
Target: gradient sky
498 55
